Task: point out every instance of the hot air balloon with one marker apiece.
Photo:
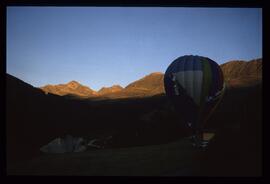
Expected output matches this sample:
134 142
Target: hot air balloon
195 86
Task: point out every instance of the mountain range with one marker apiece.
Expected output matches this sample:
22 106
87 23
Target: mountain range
112 89
149 85
241 73
236 73
73 87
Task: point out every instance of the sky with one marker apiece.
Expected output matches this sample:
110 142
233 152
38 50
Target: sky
103 46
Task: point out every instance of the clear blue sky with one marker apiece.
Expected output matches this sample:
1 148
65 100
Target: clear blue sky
102 46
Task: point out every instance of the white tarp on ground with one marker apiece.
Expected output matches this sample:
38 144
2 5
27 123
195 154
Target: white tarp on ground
65 145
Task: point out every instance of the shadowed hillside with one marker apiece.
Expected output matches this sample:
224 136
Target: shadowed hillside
35 118
237 147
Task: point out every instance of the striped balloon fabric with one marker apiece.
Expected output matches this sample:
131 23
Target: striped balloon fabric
195 85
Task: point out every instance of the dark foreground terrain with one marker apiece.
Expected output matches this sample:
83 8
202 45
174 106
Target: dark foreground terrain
148 136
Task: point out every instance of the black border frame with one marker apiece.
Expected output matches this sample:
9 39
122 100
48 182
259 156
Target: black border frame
131 3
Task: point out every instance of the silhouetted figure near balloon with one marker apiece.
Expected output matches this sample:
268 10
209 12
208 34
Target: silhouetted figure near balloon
195 86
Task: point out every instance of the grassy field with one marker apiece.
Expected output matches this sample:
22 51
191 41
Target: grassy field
156 160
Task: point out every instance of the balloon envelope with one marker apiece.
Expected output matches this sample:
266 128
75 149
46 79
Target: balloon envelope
194 84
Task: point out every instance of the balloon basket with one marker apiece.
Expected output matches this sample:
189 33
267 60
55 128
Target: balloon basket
207 136
203 140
